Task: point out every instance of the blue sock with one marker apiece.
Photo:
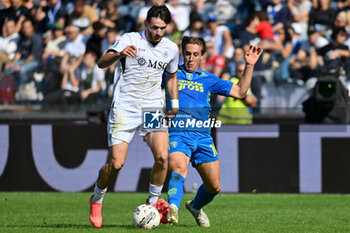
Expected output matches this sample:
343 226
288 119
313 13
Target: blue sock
202 198
176 189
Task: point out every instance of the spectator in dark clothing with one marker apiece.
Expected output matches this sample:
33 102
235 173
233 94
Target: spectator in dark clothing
49 13
83 17
230 69
278 14
264 4
28 54
282 49
52 58
95 41
249 37
262 71
321 17
16 12
197 26
343 5
109 40
301 65
69 92
111 18
335 55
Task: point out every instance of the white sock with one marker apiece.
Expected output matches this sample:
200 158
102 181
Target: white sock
98 194
154 193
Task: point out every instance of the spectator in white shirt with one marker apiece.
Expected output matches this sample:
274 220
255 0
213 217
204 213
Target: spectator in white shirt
9 43
143 13
180 14
74 47
221 36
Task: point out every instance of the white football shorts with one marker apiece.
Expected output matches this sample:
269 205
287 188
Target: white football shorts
122 125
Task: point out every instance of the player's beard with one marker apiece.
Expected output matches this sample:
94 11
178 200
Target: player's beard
153 38
156 39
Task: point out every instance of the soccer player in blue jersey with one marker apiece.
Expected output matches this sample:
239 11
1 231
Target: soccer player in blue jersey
190 139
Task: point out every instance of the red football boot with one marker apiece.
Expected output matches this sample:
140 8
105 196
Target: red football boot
163 208
95 213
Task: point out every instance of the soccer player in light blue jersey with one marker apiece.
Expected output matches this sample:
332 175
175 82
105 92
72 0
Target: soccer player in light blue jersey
190 139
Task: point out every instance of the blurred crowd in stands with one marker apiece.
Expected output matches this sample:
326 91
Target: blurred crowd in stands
49 49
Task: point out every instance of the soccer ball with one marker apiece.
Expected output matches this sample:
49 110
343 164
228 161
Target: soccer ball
146 216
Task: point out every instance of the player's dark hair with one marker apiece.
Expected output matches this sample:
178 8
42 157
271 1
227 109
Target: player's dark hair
193 40
159 11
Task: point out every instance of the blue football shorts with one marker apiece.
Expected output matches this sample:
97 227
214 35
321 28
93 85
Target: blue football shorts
198 146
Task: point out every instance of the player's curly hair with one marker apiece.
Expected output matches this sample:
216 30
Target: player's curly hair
159 11
193 40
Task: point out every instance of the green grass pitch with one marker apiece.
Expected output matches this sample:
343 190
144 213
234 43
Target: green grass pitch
246 213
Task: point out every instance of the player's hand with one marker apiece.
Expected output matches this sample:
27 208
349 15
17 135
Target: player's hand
130 51
171 114
253 54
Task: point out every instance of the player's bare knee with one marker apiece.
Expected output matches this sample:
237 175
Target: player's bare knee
116 165
177 168
217 188
162 161
214 188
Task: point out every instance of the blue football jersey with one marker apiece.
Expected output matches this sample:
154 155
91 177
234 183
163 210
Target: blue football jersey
195 90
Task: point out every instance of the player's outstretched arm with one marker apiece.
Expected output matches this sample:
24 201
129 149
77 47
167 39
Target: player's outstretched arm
240 90
111 56
173 91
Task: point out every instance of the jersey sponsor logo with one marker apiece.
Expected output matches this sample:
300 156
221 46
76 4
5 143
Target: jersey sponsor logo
159 65
190 85
141 61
